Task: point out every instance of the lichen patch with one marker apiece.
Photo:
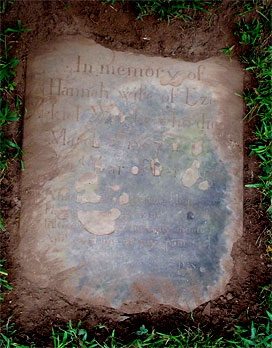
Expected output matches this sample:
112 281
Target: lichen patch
124 199
114 188
204 185
85 186
98 222
197 148
191 174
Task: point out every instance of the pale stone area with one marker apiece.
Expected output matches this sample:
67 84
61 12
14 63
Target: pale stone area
124 198
197 148
98 222
191 174
132 188
87 183
204 185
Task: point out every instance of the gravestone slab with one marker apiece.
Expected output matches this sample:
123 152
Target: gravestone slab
132 188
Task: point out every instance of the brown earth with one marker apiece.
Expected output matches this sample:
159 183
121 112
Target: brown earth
35 310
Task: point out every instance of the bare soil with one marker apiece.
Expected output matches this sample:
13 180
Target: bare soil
35 310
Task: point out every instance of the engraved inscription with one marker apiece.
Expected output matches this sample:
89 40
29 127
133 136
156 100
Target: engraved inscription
132 175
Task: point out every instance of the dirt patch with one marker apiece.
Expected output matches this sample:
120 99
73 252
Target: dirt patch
33 308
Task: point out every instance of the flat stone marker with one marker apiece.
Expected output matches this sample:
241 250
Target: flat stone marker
132 188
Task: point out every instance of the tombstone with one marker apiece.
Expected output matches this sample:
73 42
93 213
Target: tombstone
132 189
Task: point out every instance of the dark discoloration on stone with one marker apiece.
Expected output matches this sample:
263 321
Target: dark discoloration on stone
137 196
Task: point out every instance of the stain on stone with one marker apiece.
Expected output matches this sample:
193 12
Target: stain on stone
96 143
63 214
115 188
124 198
156 167
191 174
190 215
98 164
114 111
175 147
134 170
204 185
87 183
98 222
197 148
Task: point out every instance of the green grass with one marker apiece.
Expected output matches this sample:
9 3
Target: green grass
10 150
5 4
10 103
254 37
75 336
168 9
8 338
7 65
228 51
4 285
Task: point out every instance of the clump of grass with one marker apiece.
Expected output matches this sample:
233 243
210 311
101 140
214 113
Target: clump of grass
8 338
186 338
9 150
7 65
9 111
4 285
258 335
72 337
227 51
5 4
168 9
254 37
76 337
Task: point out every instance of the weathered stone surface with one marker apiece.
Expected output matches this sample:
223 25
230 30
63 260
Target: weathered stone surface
132 189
